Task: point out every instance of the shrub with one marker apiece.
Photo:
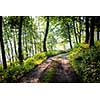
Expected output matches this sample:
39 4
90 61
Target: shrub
16 71
86 62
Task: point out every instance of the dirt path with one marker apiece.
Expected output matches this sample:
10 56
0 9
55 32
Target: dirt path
64 72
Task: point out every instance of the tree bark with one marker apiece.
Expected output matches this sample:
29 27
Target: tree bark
11 47
87 30
92 31
80 23
20 44
2 45
97 33
46 33
14 40
98 29
75 32
69 36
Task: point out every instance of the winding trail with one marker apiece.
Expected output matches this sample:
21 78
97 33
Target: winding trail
64 72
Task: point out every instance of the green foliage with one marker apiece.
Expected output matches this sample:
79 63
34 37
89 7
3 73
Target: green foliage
49 75
86 62
13 73
40 57
16 71
54 52
36 59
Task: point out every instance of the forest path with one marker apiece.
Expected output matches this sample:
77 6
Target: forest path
64 73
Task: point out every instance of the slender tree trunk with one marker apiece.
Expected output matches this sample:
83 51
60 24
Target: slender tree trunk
78 32
40 43
9 53
87 30
26 41
11 50
31 42
80 29
26 49
7 46
15 43
69 36
8 49
75 32
2 45
15 48
46 33
20 44
32 46
35 47
97 33
98 29
11 47
92 31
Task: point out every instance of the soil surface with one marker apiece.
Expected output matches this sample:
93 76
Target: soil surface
64 72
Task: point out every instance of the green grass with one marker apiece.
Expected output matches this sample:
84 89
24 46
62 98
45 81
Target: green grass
16 71
86 62
49 75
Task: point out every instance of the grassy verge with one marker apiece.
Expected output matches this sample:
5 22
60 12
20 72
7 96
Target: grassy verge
16 71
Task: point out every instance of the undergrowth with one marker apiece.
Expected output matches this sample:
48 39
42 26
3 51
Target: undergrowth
49 75
16 71
86 62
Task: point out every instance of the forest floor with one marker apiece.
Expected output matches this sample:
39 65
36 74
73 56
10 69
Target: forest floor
64 73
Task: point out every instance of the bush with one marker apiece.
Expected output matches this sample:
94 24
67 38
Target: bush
86 62
16 71
54 52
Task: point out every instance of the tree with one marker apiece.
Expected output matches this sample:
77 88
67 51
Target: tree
46 33
2 45
97 20
98 32
69 36
80 28
87 30
92 31
75 31
20 44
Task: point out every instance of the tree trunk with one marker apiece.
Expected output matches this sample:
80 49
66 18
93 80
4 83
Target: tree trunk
75 32
20 44
80 23
14 40
26 45
11 47
8 49
69 36
2 45
46 33
87 30
97 33
98 29
92 31
9 53
35 47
